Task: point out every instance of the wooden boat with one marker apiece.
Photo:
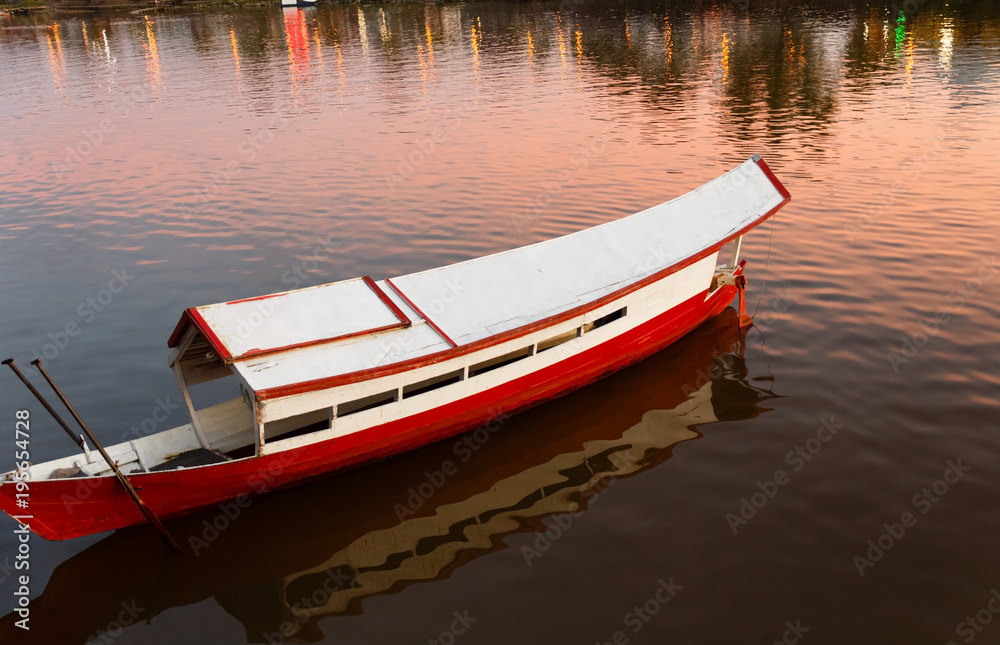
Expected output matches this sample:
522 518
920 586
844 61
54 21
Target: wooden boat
552 460
332 376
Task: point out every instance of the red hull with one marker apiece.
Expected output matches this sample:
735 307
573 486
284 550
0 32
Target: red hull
68 508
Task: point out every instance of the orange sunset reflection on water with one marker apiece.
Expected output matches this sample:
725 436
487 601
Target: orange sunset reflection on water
224 153
398 136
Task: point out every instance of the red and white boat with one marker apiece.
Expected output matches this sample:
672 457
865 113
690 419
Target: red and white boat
332 376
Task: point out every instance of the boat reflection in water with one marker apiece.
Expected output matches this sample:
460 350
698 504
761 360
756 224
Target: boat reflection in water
292 557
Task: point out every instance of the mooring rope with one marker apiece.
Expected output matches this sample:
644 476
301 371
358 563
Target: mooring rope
767 262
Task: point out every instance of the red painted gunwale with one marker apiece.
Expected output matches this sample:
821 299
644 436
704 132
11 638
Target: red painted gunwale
68 508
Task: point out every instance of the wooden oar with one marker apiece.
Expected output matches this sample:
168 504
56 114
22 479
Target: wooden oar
155 521
77 438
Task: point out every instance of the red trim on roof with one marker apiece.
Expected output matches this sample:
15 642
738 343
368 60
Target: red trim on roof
387 301
253 353
220 348
416 363
421 314
774 180
192 317
182 324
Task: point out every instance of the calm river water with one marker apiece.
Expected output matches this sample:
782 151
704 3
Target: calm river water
202 156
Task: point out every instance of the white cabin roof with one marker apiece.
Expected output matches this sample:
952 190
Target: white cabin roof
316 314
344 327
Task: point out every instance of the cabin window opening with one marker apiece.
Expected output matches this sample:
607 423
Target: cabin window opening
365 403
299 424
499 361
555 341
432 383
220 389
604 320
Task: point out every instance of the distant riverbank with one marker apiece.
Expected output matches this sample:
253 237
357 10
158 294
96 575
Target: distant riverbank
36 6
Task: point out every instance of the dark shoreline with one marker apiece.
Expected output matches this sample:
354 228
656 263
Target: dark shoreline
142 7
893 7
